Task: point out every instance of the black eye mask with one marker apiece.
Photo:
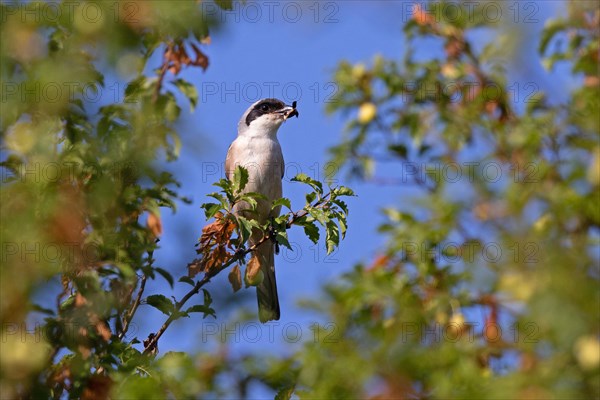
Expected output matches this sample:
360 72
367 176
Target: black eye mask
264 107
269 106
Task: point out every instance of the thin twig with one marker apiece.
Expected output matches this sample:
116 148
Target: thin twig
152 342
207 277
303 212
163 70
134 307
161 77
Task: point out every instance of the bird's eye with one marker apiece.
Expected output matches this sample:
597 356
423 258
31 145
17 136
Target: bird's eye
264 107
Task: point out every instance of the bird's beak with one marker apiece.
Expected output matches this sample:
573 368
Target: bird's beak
290 111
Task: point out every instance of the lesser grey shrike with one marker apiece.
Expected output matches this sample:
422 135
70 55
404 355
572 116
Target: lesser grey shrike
257 149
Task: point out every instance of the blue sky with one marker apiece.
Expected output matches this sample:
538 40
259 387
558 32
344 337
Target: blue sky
289 50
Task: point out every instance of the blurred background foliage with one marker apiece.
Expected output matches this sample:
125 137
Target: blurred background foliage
514 315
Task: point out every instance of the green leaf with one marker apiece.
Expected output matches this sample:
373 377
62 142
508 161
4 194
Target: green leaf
319 215
207 297
341 204
161 303
551 28
65 305
225 4
332 237
188 280
135 89
166 107
220 198
189 91
178 314
282 202
256 195
224 184
303 178
312 231
285 393
281 221
344 191
399 149
240 179
424 148
210 209
165 274
245 225
250 200
43 310
202 309
282 239
343 224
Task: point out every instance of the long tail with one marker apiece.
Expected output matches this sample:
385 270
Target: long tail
266 291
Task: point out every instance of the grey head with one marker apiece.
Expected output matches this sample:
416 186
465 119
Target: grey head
266 115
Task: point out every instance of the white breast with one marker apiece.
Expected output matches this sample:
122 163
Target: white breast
263 159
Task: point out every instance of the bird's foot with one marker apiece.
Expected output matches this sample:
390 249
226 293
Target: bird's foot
273 236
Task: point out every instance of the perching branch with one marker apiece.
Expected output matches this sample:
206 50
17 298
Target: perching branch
133 309
324 202
304 211
149 346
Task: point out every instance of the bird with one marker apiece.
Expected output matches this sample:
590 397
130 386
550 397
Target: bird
257 149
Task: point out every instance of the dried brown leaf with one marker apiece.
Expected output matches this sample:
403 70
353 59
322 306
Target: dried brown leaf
201 58
170 52
591 81
454 47
253 274
103 330
182 56
154 223
422 17
381 261
489 210
175 68
154 348
194 268
214 244
80 301
97 388
235 278
85 351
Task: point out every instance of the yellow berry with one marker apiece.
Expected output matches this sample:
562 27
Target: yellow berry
366 113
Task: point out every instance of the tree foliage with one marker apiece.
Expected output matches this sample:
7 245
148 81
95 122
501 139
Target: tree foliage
82 184
488 284
83 188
